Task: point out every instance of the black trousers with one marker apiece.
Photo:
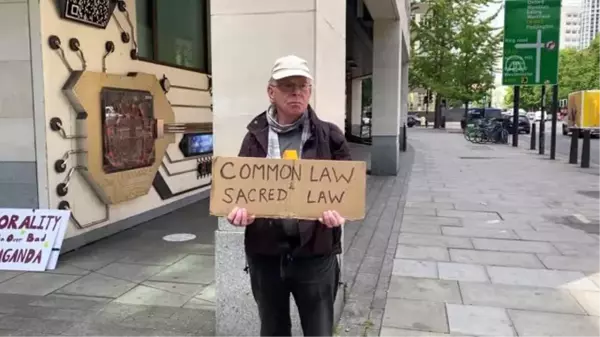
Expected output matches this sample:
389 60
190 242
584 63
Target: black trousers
312 281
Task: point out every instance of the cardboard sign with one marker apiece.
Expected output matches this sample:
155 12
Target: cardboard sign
30 240
280 188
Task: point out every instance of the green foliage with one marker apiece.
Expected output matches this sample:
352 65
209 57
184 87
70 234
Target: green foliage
579 69
530 97
475 54
431 46
453 54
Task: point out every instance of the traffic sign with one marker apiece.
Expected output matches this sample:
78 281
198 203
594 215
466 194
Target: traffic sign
531 40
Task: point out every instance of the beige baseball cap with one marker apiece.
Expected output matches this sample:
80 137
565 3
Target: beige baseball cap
290 65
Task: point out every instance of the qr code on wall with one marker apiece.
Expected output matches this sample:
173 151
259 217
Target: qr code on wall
94 12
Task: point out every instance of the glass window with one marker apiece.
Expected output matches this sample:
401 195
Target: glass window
174 32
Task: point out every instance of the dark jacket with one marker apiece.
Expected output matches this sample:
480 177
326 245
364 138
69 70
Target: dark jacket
266 236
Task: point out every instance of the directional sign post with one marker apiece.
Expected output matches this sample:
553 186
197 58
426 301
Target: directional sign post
531 36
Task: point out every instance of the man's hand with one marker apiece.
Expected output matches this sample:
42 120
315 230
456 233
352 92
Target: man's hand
332 219
239 217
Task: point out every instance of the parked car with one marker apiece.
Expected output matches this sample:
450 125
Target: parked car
412 120
524 124
478 113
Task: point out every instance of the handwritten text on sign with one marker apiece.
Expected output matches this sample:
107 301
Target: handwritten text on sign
279 188
27 237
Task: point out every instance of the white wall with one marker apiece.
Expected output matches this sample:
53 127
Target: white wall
251 35
85 206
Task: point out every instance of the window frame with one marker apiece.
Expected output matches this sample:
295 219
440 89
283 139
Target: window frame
204 69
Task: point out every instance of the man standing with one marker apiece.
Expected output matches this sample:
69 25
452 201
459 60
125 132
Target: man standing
289 256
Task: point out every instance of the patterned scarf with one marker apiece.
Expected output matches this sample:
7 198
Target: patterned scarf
275 128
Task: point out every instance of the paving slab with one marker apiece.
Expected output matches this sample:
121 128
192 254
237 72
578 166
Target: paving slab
415 315
479 320
558 279
392 332
514 246
424 289
434 240
469 214
415 268
577 249
492 258
130 272
420 211
190 269
97 285
421 229
520 297
555 236
422 253
429 205
7 275
533 323
589 300
144 295
580 263
431 220
32 283
462 272
479 232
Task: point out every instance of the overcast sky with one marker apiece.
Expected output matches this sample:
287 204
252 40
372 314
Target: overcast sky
490 10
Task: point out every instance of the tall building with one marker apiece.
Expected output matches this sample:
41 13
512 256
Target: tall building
590 22
570 25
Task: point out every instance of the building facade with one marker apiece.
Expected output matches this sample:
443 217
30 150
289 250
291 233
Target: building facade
570 25
590 22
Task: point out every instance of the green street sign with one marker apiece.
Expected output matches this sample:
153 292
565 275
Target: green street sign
531 36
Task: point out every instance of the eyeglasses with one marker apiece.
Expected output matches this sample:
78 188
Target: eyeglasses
291 87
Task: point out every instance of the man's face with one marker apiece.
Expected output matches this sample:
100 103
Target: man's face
290 95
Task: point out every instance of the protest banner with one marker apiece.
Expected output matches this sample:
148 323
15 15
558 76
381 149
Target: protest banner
282 188
30 239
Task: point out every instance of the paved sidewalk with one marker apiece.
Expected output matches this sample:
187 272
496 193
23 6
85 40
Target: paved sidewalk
494 241
131 284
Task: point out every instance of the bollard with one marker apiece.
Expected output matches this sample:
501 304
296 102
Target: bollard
532 145
404 137
542 142
585 149
574 146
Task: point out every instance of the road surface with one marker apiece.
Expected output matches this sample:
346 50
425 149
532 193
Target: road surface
563 143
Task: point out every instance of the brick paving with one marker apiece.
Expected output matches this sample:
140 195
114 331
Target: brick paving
494 240
369 247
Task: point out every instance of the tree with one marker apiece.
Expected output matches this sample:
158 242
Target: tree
453 54
530 97
475 53
431 43
579 69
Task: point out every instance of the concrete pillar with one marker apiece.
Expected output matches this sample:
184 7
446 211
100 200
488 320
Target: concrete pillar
387 96
250 36
356 105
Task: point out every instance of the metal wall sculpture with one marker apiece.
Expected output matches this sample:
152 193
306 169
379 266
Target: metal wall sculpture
95 13
124 122
127 129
